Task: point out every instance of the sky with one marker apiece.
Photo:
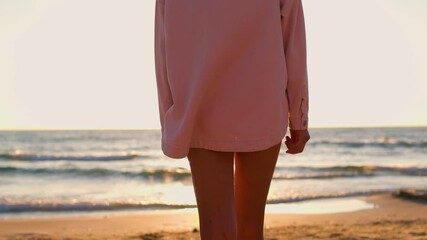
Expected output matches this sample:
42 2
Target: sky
81 64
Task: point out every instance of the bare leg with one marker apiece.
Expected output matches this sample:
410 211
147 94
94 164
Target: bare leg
253 174
213 181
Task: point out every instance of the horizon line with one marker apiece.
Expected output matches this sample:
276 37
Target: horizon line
314 127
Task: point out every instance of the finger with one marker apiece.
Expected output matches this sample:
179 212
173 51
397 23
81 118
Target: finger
290 145
288 142
292 149
300 143
295 149
300 148
295 145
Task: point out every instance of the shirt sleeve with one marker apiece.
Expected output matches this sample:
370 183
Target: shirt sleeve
163 89
294 43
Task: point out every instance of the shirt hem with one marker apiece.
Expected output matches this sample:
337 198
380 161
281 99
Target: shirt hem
226 145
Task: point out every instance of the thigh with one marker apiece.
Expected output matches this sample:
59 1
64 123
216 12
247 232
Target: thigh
256 168
253 174
213 180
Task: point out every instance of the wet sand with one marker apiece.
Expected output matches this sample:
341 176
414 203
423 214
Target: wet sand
391 218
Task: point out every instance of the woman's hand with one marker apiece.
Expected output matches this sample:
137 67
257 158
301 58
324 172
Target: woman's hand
297 141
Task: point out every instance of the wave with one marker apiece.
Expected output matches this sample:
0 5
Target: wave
155 174
412 171
37 205
84 206
355 171
385 142
28 156
281 176
177 174
326 196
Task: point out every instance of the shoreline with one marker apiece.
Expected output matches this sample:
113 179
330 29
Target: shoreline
388 212
315 206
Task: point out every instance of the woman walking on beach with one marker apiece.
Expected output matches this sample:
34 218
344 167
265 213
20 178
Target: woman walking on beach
231 78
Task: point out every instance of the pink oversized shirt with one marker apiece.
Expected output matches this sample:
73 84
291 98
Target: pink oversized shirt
231 74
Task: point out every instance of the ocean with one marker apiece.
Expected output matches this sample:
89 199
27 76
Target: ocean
87 171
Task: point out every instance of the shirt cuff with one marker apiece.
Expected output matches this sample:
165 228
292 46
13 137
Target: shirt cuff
298 123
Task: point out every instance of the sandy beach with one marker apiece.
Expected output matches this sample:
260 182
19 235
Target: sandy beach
391 218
